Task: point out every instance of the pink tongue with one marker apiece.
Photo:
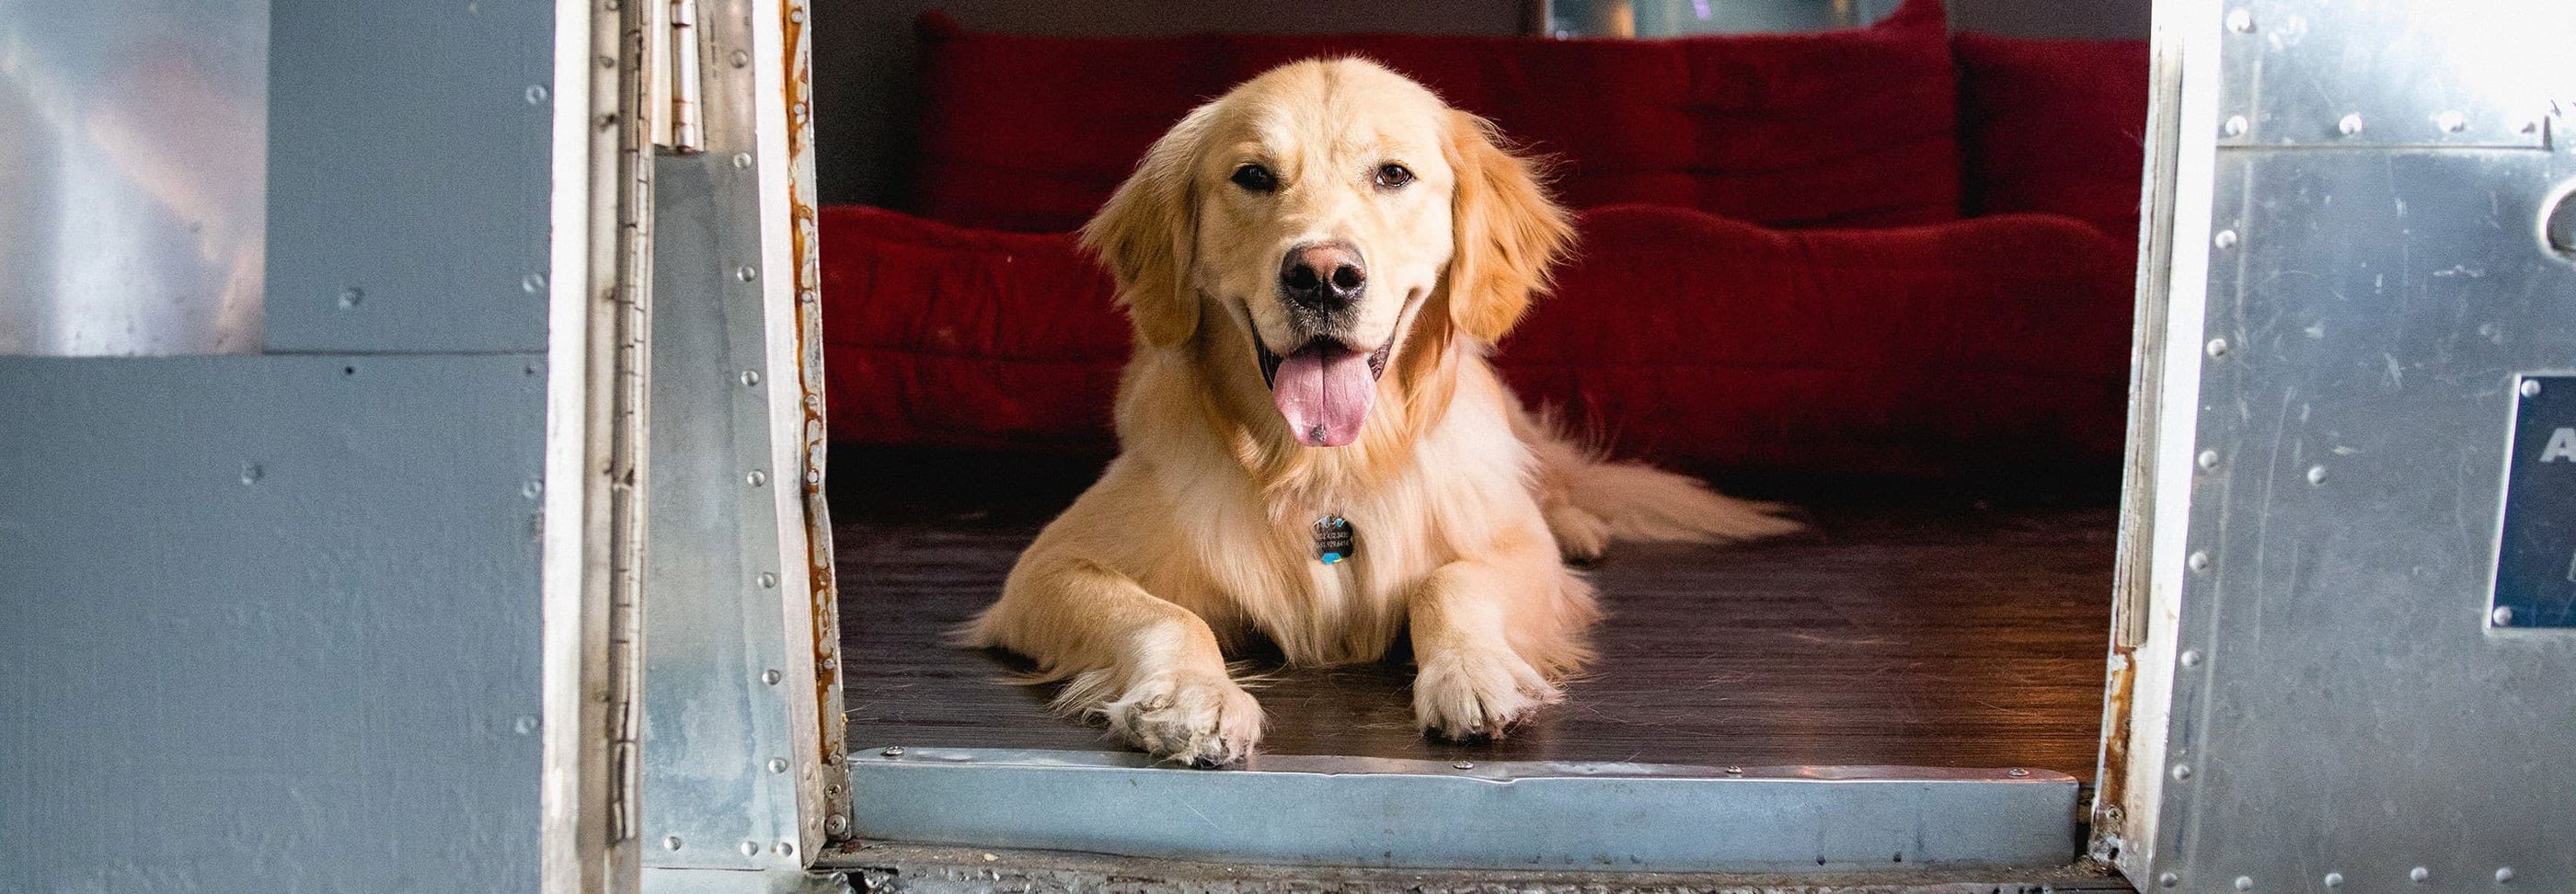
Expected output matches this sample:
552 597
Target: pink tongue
1324 393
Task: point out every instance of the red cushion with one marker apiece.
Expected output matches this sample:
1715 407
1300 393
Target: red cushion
2056 126
1685 337
1848 128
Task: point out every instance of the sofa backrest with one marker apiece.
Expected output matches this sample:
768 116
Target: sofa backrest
1843 129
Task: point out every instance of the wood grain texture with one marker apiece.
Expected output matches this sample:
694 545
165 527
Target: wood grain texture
1927 629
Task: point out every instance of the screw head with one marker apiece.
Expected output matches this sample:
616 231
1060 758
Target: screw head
2224 239
2502 616
2350 125
892 751
2531 387
837 825
2235 126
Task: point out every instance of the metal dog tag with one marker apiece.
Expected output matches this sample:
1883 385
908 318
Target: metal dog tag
1332 539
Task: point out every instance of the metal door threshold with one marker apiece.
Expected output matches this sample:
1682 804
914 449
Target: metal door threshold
1535 815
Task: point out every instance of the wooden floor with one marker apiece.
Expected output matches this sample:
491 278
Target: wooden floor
1926 630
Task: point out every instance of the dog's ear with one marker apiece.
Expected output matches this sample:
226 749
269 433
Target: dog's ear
1145 233
1508 232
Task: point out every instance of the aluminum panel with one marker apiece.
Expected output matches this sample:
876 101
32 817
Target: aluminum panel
134 214
2486 73
1401 813
410 163
2342 712
271 623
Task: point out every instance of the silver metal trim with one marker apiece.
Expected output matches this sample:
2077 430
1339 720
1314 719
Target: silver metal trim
1343 811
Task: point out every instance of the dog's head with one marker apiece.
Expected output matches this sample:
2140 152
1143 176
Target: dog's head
1329 214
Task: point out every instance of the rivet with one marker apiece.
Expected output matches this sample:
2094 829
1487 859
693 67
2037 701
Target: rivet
778 765
2189 658
525 725
252 472
2418 875
741 160
1733 770
2244 883
746 273
2240 21
796 15
608 62
2198 561
536 94
784 849
2316 474
750 848
837 825
750 377
2017 772
2235 126
741 58
2502 616
2531 387
2217 347
756 478
351 296
1463 765
531 488
2181 772
2504 874
2350 125
766 580
2451 122
796 111
2208 459
2334 879
771 677
2224 239
671 843
2167 880
831 663
532 283
892 751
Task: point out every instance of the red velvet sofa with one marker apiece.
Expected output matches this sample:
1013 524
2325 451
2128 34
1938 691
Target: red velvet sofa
1888 250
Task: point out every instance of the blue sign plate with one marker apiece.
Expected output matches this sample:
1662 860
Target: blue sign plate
2535 581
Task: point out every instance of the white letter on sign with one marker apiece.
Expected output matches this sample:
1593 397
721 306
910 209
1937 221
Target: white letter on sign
2562 445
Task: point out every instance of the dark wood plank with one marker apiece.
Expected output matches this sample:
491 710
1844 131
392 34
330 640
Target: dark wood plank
1926 630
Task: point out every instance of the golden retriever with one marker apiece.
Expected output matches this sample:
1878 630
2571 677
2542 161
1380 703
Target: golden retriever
1313 447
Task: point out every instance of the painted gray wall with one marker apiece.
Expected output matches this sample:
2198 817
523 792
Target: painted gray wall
866 91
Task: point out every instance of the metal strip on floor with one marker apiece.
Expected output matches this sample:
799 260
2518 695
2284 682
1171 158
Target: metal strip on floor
1342 811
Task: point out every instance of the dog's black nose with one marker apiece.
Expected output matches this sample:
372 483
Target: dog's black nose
1323 276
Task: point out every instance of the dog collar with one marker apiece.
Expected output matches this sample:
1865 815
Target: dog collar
1332 539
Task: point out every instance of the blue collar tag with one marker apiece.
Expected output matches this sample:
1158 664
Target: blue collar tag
1332 539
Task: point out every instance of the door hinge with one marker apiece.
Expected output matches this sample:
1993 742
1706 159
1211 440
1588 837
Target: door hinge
678 94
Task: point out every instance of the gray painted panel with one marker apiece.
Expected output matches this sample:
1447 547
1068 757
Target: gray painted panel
2342 704
270 624
409 168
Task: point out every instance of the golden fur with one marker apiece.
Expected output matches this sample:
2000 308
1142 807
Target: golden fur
1198 536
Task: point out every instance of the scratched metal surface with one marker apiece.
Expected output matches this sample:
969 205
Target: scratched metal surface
269 623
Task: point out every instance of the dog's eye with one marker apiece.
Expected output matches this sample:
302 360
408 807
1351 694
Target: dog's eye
1255 178
1393 176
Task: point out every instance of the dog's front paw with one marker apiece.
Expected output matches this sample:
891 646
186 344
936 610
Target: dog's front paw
1465 694
1202 721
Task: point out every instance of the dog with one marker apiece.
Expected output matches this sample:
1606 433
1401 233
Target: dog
1313 448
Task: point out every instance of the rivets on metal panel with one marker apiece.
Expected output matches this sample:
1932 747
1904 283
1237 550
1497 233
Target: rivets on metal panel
2502 616
2240 21
750 848
784 848
352 296
2244 883
2167 880
756 478
742 160
532 283
778 765
1733 770
671 842
524 725
741 58
771 677
2198 561
746 273
837 825
2334 879
2419 875
536 94
796 14
1463 765
2504 874
831 663
252 472
2208 459
2189 658
2235 126
750 378
766 580
532 488
796 111
2316 474
2350 125
2451 122
608 62
2217 347
2531 387
892 751
2181 772
2225 239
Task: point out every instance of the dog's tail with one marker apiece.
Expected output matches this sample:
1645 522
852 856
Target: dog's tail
1590 499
